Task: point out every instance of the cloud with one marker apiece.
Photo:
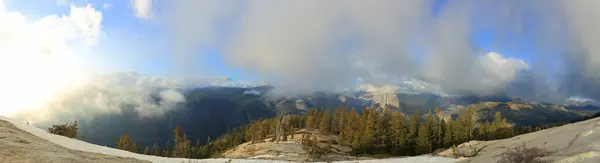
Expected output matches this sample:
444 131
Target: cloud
296 49
115 93
499 68
40 58
110 94
142 8
326 45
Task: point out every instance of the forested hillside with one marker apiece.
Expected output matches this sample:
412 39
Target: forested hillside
366 132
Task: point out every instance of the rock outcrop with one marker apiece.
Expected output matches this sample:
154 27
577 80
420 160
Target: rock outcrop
577 142
291 149
19 146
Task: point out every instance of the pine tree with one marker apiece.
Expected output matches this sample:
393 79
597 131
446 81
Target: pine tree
356 144
449 133
197 146
155 149
483 131
125 143
429 124
335 120
368 130
464 126
498 125
443 126
309 126
341 121
312 112
325 123
147 150
398 133
423 143
166 151
68 130
469 123
436 131
413 128
351 125
182 144
382 138
208 148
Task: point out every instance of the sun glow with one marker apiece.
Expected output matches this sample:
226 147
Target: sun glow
31 80
41 59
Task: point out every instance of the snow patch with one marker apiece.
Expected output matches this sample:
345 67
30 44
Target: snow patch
252 92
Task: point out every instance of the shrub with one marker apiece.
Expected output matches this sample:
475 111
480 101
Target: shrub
523 154
313 149
68 130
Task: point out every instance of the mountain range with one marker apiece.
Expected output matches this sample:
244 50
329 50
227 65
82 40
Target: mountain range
214 107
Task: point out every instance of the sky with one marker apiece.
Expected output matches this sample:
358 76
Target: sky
538 50
129 40
134 40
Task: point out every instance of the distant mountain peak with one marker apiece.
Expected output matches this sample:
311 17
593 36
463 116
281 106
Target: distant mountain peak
406 86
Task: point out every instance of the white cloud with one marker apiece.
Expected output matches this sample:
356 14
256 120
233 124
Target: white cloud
499 70
142 8
40 58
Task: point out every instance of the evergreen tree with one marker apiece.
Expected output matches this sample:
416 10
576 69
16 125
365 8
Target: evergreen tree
341 121
483 131
155 150
443 126
498 125
125 143
413 128
351 126
68 130
469 123
436 131
507 132
182 144
207 148
423 143
147 150
335 120
382 138
368 134
398 133
166 151
464 126
449 133
356 144
312 112
325 123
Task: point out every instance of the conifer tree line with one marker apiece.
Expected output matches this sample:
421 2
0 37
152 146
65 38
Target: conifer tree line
368 131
